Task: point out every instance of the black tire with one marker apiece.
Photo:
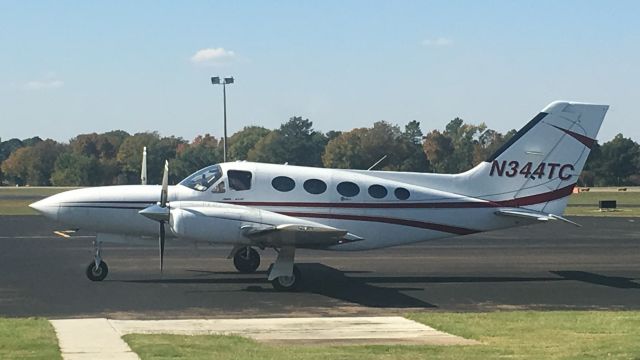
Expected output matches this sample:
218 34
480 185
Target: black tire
99 273
287 283
246 260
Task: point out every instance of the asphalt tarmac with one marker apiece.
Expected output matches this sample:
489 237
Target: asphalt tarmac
549 266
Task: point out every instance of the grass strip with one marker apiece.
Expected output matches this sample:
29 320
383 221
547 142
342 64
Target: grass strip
518 335
28 338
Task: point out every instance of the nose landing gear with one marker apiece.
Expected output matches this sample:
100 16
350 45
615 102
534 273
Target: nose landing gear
246 260
97 269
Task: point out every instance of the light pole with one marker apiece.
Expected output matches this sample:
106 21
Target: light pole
216 81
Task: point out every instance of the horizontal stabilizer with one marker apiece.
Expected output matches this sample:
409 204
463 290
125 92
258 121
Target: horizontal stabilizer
533 215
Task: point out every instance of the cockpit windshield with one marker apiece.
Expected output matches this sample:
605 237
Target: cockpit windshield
202 179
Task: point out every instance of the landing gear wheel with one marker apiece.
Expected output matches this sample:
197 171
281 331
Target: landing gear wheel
246 260
287 283
97 273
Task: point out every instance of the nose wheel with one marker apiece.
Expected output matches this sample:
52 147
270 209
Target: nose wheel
97 273
246 260
97 269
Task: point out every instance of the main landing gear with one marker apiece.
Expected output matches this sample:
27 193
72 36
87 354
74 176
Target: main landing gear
287 283
97 269
246 260
283 274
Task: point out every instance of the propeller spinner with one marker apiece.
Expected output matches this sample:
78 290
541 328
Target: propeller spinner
160 212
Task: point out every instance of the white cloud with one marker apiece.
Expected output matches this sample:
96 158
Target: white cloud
43 84
439 41
213 56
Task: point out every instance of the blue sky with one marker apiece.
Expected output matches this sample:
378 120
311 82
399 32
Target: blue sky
70 67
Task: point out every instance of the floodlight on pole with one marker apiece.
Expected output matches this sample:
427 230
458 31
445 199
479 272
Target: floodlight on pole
216 81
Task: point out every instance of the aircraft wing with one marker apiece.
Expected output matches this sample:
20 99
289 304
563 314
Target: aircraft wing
533 215
206 220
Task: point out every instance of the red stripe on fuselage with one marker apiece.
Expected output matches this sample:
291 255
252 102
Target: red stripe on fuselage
413 223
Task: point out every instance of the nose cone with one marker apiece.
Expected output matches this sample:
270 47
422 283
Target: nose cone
48 207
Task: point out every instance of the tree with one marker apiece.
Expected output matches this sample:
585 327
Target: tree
295 142
439 148
33 165
413 132
130 158
203 151
6 149
614 163
244 140
461 146
73 169
464 138
488 143
363 147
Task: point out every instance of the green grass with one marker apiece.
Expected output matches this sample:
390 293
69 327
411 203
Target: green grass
16 207
515 335
586 203
15 201
31 338
37 191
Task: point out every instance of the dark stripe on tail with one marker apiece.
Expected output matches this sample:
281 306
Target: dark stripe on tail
517 136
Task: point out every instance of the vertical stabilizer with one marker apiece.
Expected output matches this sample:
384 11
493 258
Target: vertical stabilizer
539 166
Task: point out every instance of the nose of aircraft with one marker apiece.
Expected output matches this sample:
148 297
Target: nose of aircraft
48 207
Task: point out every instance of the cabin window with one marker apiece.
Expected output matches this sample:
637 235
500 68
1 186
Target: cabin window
348 189
402 193
315 186
283 183
239 180
377 191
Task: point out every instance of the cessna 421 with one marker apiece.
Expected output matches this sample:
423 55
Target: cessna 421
252 205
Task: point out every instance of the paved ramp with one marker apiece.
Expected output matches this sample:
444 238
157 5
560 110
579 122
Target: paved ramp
378 329
101 338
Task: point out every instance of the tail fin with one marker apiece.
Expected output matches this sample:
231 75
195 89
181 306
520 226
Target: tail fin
539 166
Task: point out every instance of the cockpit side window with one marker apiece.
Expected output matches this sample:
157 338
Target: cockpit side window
202 179
239 180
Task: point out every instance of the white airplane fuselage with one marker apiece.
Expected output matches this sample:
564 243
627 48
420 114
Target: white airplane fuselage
426 214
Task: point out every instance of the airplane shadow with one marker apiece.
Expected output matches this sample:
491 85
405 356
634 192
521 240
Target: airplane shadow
378 291
597 279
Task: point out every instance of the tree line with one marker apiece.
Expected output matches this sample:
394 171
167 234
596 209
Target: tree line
115 157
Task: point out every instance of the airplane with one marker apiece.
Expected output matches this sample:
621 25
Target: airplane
253 206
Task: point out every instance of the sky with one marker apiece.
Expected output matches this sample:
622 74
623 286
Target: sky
72 67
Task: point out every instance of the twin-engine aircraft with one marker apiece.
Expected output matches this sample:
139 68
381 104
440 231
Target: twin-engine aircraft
257 206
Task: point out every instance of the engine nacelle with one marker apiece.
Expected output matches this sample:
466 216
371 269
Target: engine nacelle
207 224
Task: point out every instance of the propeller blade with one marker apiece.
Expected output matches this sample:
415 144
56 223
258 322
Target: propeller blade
161 244
165 185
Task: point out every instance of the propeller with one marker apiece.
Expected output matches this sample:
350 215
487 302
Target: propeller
160 212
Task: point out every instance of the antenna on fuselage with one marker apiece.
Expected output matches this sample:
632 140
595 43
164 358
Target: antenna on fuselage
377 162
143 171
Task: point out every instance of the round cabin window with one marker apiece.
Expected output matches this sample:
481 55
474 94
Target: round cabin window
402 193
283 183
377 191
315 186
348 189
